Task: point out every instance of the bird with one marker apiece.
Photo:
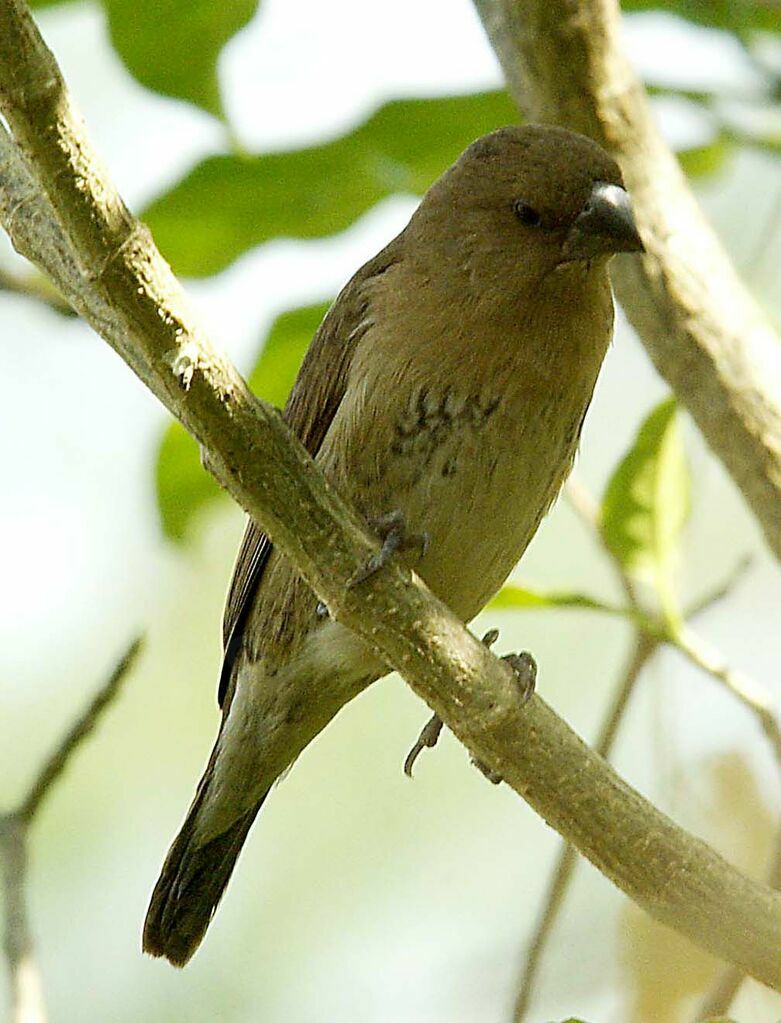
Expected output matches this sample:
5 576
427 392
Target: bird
443 395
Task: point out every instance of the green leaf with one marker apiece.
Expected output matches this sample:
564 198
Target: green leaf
519 597
172 46
646 505
184 487
736 16
229 204
708 159
283 352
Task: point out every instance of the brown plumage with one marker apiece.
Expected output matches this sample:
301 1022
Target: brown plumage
448 381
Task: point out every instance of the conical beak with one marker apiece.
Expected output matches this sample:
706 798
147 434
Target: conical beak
605 225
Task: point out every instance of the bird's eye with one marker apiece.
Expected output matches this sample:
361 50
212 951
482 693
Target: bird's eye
527 214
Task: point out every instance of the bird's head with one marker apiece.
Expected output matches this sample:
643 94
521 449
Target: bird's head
525 201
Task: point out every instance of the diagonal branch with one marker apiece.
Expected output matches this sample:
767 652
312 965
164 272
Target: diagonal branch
37 288
564 62
24 980
643 649
25 989
676 877
57 762
718 1000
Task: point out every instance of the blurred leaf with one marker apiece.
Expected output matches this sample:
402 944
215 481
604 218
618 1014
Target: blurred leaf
768 141
736 16
707 159
283 352
184 487
646 505
519 597
172 46
229 204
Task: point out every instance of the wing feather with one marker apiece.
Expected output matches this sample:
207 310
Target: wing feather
310 409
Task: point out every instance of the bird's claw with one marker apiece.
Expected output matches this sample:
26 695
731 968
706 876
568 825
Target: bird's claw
392 530
429 737
524 667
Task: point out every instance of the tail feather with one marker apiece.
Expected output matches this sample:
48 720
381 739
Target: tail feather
191 885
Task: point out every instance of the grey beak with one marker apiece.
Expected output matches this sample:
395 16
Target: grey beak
605 225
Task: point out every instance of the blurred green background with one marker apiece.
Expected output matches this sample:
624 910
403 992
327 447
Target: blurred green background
273 150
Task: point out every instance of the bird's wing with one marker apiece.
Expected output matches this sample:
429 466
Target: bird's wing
314 399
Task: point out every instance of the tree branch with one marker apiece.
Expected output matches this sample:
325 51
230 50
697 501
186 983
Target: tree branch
37 288
564 63
643 649
54 767
25 989
676 877
26 993
684 639
718 1000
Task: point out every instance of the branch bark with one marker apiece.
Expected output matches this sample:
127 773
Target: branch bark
564 63
128 293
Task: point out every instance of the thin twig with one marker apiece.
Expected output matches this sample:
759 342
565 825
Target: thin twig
58 761
644 648
26 993
24 981
718 1001
37 288
748 693
707 600
587 509
744 689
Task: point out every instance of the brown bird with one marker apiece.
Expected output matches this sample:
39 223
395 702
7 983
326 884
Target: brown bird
447 387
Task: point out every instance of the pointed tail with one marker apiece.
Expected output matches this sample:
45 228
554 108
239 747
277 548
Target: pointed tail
192 883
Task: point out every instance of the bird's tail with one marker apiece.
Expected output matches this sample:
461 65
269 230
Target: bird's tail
191 883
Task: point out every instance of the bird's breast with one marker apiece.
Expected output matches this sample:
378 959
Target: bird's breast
470 440
474 467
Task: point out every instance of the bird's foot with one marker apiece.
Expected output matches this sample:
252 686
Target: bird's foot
429 737
392 530
524 668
